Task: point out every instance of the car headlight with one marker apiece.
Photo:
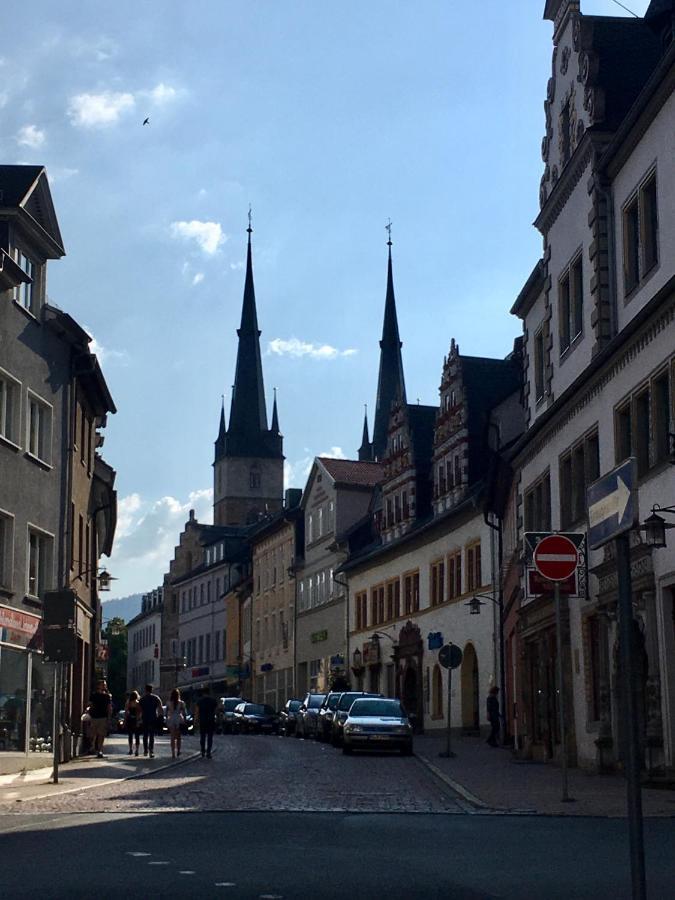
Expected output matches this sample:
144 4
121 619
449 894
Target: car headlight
402 729
353 729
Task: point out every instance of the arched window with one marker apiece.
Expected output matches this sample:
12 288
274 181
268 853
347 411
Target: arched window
437 693
254 478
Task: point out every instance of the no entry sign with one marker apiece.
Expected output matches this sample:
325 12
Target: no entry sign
555 557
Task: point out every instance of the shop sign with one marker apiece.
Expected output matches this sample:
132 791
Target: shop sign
318 636
337 661
20 628
435 639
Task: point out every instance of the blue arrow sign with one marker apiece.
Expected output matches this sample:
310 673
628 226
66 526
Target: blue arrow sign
612 504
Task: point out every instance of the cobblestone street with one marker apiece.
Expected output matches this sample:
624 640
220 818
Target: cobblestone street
266 773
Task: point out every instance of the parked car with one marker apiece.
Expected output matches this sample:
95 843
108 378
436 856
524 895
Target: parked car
326 713
308 715
225 713
121 721
341 711
288 718
377 723
255 718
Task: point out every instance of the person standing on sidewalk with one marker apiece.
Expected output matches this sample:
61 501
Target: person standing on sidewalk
175 711
493 715
151 711
100 711
132 720
206 720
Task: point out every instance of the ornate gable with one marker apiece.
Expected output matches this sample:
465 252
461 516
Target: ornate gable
398 489
451 435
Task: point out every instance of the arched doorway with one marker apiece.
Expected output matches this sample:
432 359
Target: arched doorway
410 689
470 691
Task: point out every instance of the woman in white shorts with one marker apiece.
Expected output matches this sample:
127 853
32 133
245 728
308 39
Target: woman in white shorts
176 718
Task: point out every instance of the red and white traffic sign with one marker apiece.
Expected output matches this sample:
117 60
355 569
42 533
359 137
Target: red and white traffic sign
555 557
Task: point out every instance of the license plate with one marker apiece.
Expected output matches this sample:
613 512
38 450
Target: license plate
380 737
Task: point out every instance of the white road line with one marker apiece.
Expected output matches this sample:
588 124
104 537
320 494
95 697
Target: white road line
225 884
137 853
186 872
159 862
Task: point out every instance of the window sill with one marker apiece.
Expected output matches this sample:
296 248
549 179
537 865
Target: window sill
631 293
31 600
27 312
6 591
38 462
571 347
5 441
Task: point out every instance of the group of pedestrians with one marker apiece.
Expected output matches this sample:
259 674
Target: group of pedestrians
141 716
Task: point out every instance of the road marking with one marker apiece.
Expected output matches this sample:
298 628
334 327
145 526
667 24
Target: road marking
271 897
225 884
159 862
137 853
186 872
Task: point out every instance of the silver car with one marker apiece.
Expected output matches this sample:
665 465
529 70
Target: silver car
376 723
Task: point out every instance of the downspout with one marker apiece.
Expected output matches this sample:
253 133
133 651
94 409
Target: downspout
345 585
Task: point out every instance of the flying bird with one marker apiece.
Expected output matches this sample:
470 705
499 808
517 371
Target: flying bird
146 121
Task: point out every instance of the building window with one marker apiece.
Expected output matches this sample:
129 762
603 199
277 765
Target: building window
6 549
40 551
437 582
579 467
642 424
538 505
571 304
411 592
39 428
661 406
640 234
454 575
473 567
310 528
254 479
377 605
393 599
26 295
539 364
10 407
361 610
200 657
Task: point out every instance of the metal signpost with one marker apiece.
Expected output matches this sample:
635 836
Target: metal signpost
450 657
612 512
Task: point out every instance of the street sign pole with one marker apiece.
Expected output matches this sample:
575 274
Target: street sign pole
450 657
561 692
56 722
632 758
448 751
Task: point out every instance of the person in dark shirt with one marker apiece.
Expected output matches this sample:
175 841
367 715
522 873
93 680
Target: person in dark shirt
100 710
206 720
151 710
493 715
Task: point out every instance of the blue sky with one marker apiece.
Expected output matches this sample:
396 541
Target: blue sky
328 119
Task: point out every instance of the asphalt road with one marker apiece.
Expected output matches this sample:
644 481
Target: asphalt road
272 818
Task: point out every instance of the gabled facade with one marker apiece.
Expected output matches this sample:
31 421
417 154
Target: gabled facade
598 315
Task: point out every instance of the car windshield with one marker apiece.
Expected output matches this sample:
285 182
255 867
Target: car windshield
346 701
333 701
315 700
254 709
387 708
294 705
230 703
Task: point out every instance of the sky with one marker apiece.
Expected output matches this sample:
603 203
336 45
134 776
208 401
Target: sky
328 119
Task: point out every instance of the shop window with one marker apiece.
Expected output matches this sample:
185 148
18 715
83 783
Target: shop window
579 467
538 505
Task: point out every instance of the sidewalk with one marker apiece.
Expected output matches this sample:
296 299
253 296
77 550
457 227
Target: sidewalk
85 772
491 778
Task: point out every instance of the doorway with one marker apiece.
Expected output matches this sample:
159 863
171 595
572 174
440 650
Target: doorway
470 691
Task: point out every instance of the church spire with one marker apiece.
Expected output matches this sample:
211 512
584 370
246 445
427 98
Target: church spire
248 416
275 416
390 382
366 448
222 431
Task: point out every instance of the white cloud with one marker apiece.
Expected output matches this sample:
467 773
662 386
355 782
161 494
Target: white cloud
30 136
208 235
104 354
237 266
297 348
147 532
296 473
4 98
162 93
99 110
199 277
60 173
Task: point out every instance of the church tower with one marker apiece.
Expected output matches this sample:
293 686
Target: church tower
248 470
390 382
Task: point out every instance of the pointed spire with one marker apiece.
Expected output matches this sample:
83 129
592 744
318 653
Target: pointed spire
222 431
391 382
248 415
275 416
366 448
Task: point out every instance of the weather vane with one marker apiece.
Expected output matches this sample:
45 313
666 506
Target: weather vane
249 229
387 228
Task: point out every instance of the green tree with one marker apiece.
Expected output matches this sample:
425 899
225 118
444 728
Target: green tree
115 633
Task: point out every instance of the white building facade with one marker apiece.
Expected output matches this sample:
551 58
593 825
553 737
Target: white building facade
143 643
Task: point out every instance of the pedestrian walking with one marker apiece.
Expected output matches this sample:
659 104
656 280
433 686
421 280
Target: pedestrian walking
493 715
151 713
206 720
100 711
176 719
132 720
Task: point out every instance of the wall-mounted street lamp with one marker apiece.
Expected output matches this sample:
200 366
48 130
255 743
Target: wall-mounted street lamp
474 605
357 663
103 577
655 526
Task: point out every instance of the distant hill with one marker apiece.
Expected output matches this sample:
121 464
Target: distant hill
124 607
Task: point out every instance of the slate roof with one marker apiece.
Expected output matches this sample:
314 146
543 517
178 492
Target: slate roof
353 473
16 181
422 421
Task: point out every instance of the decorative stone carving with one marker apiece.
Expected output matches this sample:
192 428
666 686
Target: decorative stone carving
565 60
543 193
555 174
545 147
550 90
580 130
589 68
576 34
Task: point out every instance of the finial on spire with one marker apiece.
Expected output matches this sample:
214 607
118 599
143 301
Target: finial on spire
387 228
250 227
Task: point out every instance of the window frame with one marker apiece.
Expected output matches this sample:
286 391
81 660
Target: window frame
13 392
541 520
573 508
636 218
571 304
44 440
45 562
7 527
630 441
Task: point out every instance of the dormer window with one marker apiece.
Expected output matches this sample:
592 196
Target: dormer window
26 295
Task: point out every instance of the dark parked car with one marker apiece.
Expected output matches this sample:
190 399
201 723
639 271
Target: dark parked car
326 713
341 712
225 713
288 718
308 715
377 724
255 718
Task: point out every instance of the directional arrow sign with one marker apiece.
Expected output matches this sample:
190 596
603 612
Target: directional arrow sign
612 504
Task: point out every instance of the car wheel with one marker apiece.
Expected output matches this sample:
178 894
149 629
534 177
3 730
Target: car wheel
347 750
407 751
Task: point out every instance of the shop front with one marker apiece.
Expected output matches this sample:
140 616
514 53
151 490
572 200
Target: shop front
26 689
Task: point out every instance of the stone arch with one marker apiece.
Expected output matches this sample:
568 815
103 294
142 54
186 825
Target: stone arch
470 690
